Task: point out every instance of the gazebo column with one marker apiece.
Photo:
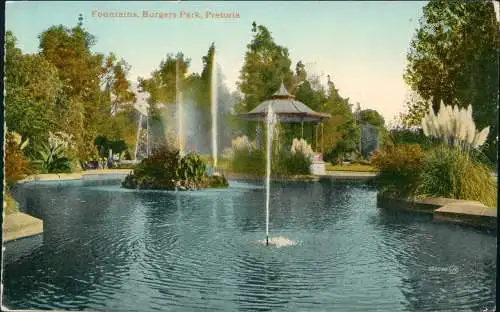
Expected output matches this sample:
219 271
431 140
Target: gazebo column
322 137
258 135
302 128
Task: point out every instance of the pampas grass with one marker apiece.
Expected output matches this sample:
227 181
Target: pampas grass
454 126
450 172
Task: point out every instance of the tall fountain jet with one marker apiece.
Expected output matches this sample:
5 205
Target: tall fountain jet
139 130
271 120
178 99
214 104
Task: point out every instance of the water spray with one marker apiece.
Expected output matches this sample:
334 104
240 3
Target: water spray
270 124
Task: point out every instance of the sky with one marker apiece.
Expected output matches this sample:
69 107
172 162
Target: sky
361 45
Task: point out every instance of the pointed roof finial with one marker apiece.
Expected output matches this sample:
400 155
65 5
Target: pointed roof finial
282 92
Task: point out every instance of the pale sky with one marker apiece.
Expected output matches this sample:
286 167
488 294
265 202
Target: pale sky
362 45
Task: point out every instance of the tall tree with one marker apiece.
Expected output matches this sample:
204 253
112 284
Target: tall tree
80 71
454 58
372 117
266 65
163 82
32 88
116 86
341 133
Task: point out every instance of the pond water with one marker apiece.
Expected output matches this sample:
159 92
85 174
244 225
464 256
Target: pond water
107 248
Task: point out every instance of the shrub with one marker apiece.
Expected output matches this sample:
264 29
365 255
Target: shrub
399 168
452 173
53 159
407 136
296 160
167 169
301 147
298 163
252 162
16 165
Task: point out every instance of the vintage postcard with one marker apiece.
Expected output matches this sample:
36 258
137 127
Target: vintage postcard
250 156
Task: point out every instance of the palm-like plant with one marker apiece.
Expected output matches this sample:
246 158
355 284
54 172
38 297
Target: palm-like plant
53 159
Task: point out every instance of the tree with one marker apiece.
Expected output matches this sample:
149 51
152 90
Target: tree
266 65
32 88
341 133
165 80
80 71
116 86
372 117
454 58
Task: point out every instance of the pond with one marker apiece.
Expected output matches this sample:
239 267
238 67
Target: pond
107 248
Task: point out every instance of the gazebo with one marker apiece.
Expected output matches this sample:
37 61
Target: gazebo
287 110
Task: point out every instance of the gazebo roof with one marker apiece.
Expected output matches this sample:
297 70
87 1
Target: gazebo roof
286 108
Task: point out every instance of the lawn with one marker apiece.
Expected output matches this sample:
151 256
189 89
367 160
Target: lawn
351 167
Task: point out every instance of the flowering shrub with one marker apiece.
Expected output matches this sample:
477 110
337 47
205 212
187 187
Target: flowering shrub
301 146
242 143
61 140
227 153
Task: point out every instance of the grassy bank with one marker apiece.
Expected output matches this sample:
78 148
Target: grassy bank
10 204
351 167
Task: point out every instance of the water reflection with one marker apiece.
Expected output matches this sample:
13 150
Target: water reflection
107 248
445 266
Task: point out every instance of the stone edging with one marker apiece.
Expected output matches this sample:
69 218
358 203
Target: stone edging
20 225
467 212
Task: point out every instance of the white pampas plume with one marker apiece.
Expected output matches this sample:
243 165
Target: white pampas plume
462 126
481 137
469 112
471 130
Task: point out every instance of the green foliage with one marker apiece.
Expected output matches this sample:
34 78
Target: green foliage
283 163
103 144
442 171
251 162
166 80
191 167
167 169
372 117
454 58
16 165
59 89
217 181
295 164
408 136
399 168
32 86
341 132
449 172
266 65
53 159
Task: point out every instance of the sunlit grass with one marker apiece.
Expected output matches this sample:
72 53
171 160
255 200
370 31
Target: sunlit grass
11 206
351 167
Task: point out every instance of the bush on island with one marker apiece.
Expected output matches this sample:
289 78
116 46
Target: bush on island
166 169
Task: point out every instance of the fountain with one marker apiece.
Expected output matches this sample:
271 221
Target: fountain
214 104
139 128
271 120
178 100
278 241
